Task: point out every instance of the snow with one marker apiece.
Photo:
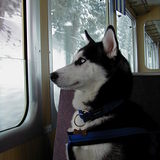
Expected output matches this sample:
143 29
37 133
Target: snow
12 81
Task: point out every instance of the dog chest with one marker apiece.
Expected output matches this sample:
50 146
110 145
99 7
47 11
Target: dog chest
94 152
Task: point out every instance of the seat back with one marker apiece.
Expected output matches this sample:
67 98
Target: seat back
146 93
65 111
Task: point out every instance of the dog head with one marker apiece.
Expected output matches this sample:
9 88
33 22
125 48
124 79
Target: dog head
94 65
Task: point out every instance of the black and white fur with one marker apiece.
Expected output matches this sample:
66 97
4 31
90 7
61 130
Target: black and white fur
99 74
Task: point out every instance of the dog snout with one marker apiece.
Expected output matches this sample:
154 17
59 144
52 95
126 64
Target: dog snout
54 76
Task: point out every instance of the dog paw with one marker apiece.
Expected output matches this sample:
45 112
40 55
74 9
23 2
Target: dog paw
70 130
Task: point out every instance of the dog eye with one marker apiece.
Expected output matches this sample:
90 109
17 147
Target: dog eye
80 61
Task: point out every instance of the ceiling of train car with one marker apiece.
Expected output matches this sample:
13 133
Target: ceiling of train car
153 30
141 7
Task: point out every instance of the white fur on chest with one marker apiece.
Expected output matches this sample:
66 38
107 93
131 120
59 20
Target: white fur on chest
90 152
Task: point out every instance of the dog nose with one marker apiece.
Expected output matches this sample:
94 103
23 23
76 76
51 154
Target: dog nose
54 76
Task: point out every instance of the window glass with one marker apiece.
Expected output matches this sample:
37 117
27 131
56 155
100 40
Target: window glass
151 53
152 44
69 19
126 34
12 65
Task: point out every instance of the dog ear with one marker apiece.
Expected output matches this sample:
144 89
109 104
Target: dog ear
89 37
110 43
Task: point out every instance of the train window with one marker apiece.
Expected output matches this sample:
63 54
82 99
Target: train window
151 44
12 65
126 34
69 19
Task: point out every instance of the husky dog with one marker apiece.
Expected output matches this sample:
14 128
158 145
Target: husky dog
100 75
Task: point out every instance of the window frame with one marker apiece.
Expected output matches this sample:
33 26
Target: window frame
135 59
53 106
31 124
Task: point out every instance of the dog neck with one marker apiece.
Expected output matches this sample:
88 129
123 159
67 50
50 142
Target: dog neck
84 96
81 98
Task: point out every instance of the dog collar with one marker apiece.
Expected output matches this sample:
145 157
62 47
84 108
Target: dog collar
94 114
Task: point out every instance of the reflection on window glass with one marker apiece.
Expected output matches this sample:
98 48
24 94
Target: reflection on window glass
151 53
69 19
126 32
12 65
